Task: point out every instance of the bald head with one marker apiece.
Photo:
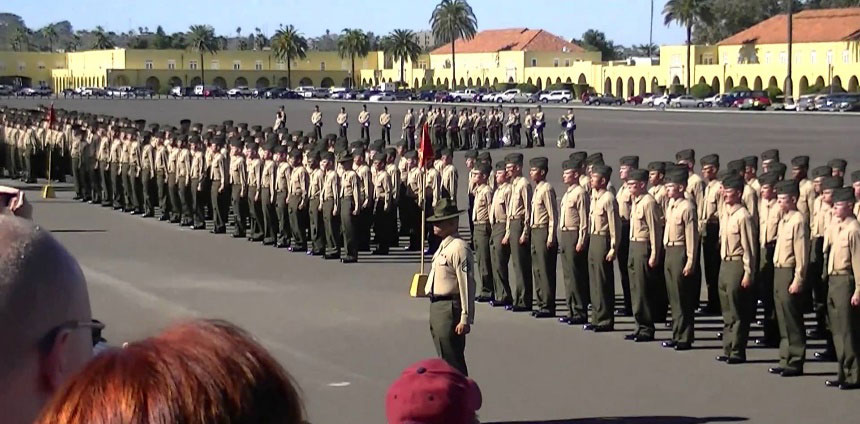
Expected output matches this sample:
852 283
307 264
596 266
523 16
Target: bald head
41 289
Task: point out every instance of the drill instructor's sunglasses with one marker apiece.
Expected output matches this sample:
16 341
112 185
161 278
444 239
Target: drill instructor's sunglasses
95 326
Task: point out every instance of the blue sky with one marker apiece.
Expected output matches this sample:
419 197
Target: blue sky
623 21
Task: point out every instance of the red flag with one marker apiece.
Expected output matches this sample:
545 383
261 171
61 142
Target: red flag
51 115
425 148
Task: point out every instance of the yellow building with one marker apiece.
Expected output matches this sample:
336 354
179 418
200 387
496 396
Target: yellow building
826 51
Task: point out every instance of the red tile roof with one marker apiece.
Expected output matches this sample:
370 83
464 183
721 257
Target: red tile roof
809 26
514 39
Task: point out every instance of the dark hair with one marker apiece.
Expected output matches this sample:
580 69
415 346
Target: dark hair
194 372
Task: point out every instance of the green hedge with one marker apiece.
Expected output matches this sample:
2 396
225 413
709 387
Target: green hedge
739 88
701 90
773 92
677 89
527 88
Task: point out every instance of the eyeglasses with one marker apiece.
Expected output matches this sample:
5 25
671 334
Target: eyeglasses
95 326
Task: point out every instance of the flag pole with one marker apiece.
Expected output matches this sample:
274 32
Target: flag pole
419 280
48 190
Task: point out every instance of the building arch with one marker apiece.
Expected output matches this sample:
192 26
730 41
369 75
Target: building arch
619 87
643 88
462 82
607 86
702 80
470 83
655 85
715 85
262 82
568 81
175 82
804 85
239 82
415 83
581 79
631 87
495 82
120 80
153 84
819 81
423 81
836 83
757 84
510 80
853 85
447 83
283 82
744 83
676 80
772 82
438 81
529 81
730 83
486 82
558 80
539 84
306 81
196 81
326 82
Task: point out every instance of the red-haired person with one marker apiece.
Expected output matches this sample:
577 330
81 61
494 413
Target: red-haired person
195 372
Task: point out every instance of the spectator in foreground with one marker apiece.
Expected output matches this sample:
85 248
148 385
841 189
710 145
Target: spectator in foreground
45 319
196 372
13 202
432 392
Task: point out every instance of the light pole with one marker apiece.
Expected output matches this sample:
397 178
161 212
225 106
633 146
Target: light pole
789 86
651 34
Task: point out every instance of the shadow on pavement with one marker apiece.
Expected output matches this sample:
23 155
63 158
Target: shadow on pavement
78 231
634 420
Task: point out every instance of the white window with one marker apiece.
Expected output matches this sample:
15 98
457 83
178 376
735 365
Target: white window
40 65
567 62
767 58
215 65
783 58
322 66
147 64
534 62
192 64
171 64
813 56
846 56
555 63
258 65
237 65
829 57
422 64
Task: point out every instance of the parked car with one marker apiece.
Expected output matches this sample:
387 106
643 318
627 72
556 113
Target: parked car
91 92
663 101
686 101
209 91
274 93
6 90
385 96
443 96
714 100
403 95
466 95
240 91
754 103
142 92
835 102
352 94
805 103
305 91
603 99
489 96
850 104
426 95
634 100
648 99
123 92
320 93
366 94
336 91
340 94
260 92
556 96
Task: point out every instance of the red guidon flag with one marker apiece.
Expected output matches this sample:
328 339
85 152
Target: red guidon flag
425 148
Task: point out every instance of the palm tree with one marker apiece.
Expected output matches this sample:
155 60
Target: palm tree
201 38
453 19
259 39
49 32
401 45
289 44
21 40
103 42
688 13
73 44
352 43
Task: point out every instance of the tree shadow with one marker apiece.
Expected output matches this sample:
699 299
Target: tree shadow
633 420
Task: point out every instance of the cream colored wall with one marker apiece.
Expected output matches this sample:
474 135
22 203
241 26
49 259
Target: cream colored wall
34 65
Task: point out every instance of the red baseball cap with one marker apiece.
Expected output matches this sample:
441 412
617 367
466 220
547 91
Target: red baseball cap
432 392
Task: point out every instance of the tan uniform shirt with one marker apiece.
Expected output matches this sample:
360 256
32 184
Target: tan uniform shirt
161 159
573 214
433 186
709 210
239 173
682 228
449 182
604 219
696 188
625 201
183 164
315 185
382 188
331 185
845 250
384 119
363 117
394 180
408 121
299 185
544 209
520 204
172 155
768 220
658 192
750 200
365 181
198 166
350 187
255 168
646 225
282 177
806 200
147 158
217 171
483 204
792 245
451 273
342 118
737 238
821 218
267 176
501 201
316 118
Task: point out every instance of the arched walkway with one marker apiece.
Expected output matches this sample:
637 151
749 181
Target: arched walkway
195 81
462 82
655 85
607 86
676 80
240 82
643 88
757 84
326 82
837 83
568 81
415 83
581 79
283 82
730 84
262 82
772 82
631 87
510 80
495 82
529 81
744 82
153 84
853 85
470 83
619 87
306 81
804 85
222 83
715 85
558 81
120 80
175 82
702 80
819 81
539 84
